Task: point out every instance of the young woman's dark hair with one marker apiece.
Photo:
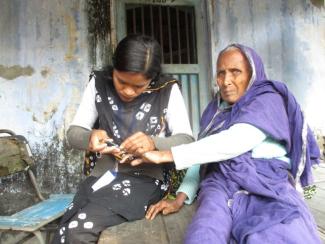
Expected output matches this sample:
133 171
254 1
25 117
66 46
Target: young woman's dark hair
140 54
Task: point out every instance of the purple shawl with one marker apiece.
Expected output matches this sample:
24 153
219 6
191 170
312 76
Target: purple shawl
271 107
271 206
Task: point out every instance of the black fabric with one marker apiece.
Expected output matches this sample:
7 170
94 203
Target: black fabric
82 235
121 119
146 113
126 198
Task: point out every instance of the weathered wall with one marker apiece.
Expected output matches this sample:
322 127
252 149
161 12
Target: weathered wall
45 50
290 37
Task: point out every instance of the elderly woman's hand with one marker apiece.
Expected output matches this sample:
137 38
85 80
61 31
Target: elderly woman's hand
138 144
156 157
166 206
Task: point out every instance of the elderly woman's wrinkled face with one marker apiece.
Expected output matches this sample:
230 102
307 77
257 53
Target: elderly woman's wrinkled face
233 75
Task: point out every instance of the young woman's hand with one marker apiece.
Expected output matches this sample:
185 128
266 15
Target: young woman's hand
138 144
97 143
166 206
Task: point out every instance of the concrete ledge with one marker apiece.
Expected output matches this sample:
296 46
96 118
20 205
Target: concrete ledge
163 229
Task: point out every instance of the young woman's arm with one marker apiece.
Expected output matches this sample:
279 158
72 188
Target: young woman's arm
79 131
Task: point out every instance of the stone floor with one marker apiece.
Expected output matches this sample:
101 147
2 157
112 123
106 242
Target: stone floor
317 202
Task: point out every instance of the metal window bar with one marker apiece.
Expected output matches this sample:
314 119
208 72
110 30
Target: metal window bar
179 52
134 21
169 37
151 22
174 35
193 40
161 34
142 20
172 26
187 39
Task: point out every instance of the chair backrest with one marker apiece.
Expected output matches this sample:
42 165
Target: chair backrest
15 153
16 156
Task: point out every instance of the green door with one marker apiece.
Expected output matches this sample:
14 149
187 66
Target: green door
178 25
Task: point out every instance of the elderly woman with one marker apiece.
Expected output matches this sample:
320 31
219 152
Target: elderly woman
254 147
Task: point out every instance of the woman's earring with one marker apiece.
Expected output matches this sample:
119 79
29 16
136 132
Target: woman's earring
215 90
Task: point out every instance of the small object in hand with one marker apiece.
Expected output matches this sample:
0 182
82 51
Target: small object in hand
122 154
112 144
130 157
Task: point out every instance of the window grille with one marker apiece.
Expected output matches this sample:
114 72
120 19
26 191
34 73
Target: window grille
172 26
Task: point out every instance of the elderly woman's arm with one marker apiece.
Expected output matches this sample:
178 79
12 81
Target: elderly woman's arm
190 184
186 193
238 139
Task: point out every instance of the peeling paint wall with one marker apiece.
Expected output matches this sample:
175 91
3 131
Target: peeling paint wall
45 50
290 37
98 12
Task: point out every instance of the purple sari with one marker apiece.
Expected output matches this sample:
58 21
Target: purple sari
251 200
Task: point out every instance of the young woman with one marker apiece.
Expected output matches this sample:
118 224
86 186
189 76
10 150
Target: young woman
138 110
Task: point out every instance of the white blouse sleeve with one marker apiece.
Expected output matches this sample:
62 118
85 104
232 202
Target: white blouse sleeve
87 113
177 116
238 139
